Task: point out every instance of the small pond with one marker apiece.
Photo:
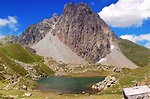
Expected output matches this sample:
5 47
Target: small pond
63 84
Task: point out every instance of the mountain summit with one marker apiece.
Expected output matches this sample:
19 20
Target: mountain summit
84 32
78 36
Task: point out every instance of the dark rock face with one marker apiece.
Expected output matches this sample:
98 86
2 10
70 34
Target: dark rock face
34 33
84 32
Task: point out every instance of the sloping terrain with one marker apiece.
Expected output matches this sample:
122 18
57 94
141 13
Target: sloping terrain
8 39
134 52
50 46
18 67
77 31
12 74
17 52
84 32
127 54
14 67
35 32
117 58
78 36
129 78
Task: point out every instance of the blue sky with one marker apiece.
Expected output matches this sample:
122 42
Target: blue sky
129 19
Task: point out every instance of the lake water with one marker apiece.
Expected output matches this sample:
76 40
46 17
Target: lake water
68 84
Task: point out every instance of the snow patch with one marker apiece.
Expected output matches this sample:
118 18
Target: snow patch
102 59
112 47
53 27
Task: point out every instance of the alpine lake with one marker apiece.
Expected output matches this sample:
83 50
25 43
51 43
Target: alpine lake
69 85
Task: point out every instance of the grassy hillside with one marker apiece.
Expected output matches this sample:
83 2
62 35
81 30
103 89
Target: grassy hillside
128 78
136 53
11 65
17 52
14 74
42 68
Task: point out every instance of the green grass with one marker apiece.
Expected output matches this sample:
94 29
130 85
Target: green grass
42 68
131 77
136 53
128 78
51 95
13 67
17 52
14 71
90 73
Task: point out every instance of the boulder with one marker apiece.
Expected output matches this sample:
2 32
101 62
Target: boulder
24 87
27 94
113 78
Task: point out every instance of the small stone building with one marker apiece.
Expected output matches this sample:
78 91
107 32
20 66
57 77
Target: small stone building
137 92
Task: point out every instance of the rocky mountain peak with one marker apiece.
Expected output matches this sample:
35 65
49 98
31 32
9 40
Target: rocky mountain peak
84 32
80 8
78 28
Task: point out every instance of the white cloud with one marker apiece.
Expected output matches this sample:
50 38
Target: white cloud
147 45
10 21
138 38
126 13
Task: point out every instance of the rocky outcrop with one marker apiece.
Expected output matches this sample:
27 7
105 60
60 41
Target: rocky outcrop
8 39
34 33
108 82
84 32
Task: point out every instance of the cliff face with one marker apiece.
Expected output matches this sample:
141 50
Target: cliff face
78 28
34 33
84 32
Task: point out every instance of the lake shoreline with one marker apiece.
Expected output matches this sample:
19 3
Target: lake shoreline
68 85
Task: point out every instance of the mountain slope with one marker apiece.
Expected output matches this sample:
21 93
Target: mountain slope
34 33
84 32
50 46
117 58
79 29
14 67
17 52
136 53
12 74
78 36
18 67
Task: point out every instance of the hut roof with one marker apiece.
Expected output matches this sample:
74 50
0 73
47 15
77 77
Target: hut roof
136 90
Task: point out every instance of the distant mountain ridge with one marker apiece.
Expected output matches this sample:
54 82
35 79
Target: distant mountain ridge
9 39
34 33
